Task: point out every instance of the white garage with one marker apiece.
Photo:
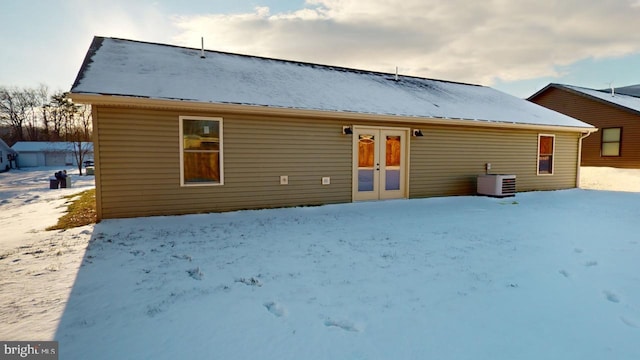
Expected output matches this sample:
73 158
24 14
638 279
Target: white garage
47 153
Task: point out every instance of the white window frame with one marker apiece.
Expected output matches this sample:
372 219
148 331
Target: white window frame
553 156
220 151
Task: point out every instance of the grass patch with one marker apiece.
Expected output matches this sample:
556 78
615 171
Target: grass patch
82 211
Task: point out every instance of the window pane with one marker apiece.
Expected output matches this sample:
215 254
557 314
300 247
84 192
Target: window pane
201 167
365 179
612 134
201 151
393 151
546 145
392 179
366 147
545 164
201 134
611 149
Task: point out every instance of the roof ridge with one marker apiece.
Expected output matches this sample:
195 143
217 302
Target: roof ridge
295 62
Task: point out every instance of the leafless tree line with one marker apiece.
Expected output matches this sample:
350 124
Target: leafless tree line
34 114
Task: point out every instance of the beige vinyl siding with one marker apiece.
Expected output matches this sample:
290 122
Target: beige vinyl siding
447 160
141 172
138 161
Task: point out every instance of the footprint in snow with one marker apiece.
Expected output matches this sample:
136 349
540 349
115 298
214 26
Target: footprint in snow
628 322
564 273
276 309
591 263
611 296
196 273
250 282
342 324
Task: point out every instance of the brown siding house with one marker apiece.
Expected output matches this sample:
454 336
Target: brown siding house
616 115
179 130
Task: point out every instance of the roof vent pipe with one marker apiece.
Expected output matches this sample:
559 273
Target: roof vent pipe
613 91
202 47
396 73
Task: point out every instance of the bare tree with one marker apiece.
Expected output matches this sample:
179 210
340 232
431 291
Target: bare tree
42 99
81 134
32 115
12 111
60 113
22 110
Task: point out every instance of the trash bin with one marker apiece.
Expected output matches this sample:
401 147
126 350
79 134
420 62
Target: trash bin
65 182
90 170
53 183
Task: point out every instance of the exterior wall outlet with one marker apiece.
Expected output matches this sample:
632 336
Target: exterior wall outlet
488 166
326 180
284 180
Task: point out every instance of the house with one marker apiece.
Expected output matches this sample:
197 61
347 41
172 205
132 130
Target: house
49 153
6 156
180 130
616 115
633 90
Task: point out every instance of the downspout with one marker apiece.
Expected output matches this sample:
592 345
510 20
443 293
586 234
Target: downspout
580 156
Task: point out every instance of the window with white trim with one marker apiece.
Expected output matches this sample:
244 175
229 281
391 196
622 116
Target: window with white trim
611 141
201 151
546 148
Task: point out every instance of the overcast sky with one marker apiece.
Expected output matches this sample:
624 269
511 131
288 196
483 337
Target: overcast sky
517 46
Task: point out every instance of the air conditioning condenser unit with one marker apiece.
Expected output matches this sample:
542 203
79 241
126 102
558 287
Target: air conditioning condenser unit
497 185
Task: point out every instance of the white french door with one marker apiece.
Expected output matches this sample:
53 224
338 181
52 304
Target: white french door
379 163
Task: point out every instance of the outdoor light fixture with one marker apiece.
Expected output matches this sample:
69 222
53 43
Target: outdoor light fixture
347 130
417 132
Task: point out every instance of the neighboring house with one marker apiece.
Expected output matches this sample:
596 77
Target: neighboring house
633 90
6 156
47 153
617 116
180 130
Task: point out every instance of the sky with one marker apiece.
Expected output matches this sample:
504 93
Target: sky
514 46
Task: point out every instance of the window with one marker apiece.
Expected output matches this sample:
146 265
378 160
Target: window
545 154
611 139
200 151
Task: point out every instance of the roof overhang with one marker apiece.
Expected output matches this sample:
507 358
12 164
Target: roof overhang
185 105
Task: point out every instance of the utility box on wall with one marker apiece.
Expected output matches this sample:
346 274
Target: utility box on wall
497 185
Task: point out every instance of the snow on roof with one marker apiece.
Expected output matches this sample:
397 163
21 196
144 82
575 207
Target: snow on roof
47 146
627 101
632 90
140 69
5 147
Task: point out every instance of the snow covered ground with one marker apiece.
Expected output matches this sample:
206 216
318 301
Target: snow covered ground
544 275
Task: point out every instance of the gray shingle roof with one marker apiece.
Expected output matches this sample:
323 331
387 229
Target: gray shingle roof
140 69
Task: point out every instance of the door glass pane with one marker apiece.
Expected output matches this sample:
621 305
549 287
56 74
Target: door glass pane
392 163
366 159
